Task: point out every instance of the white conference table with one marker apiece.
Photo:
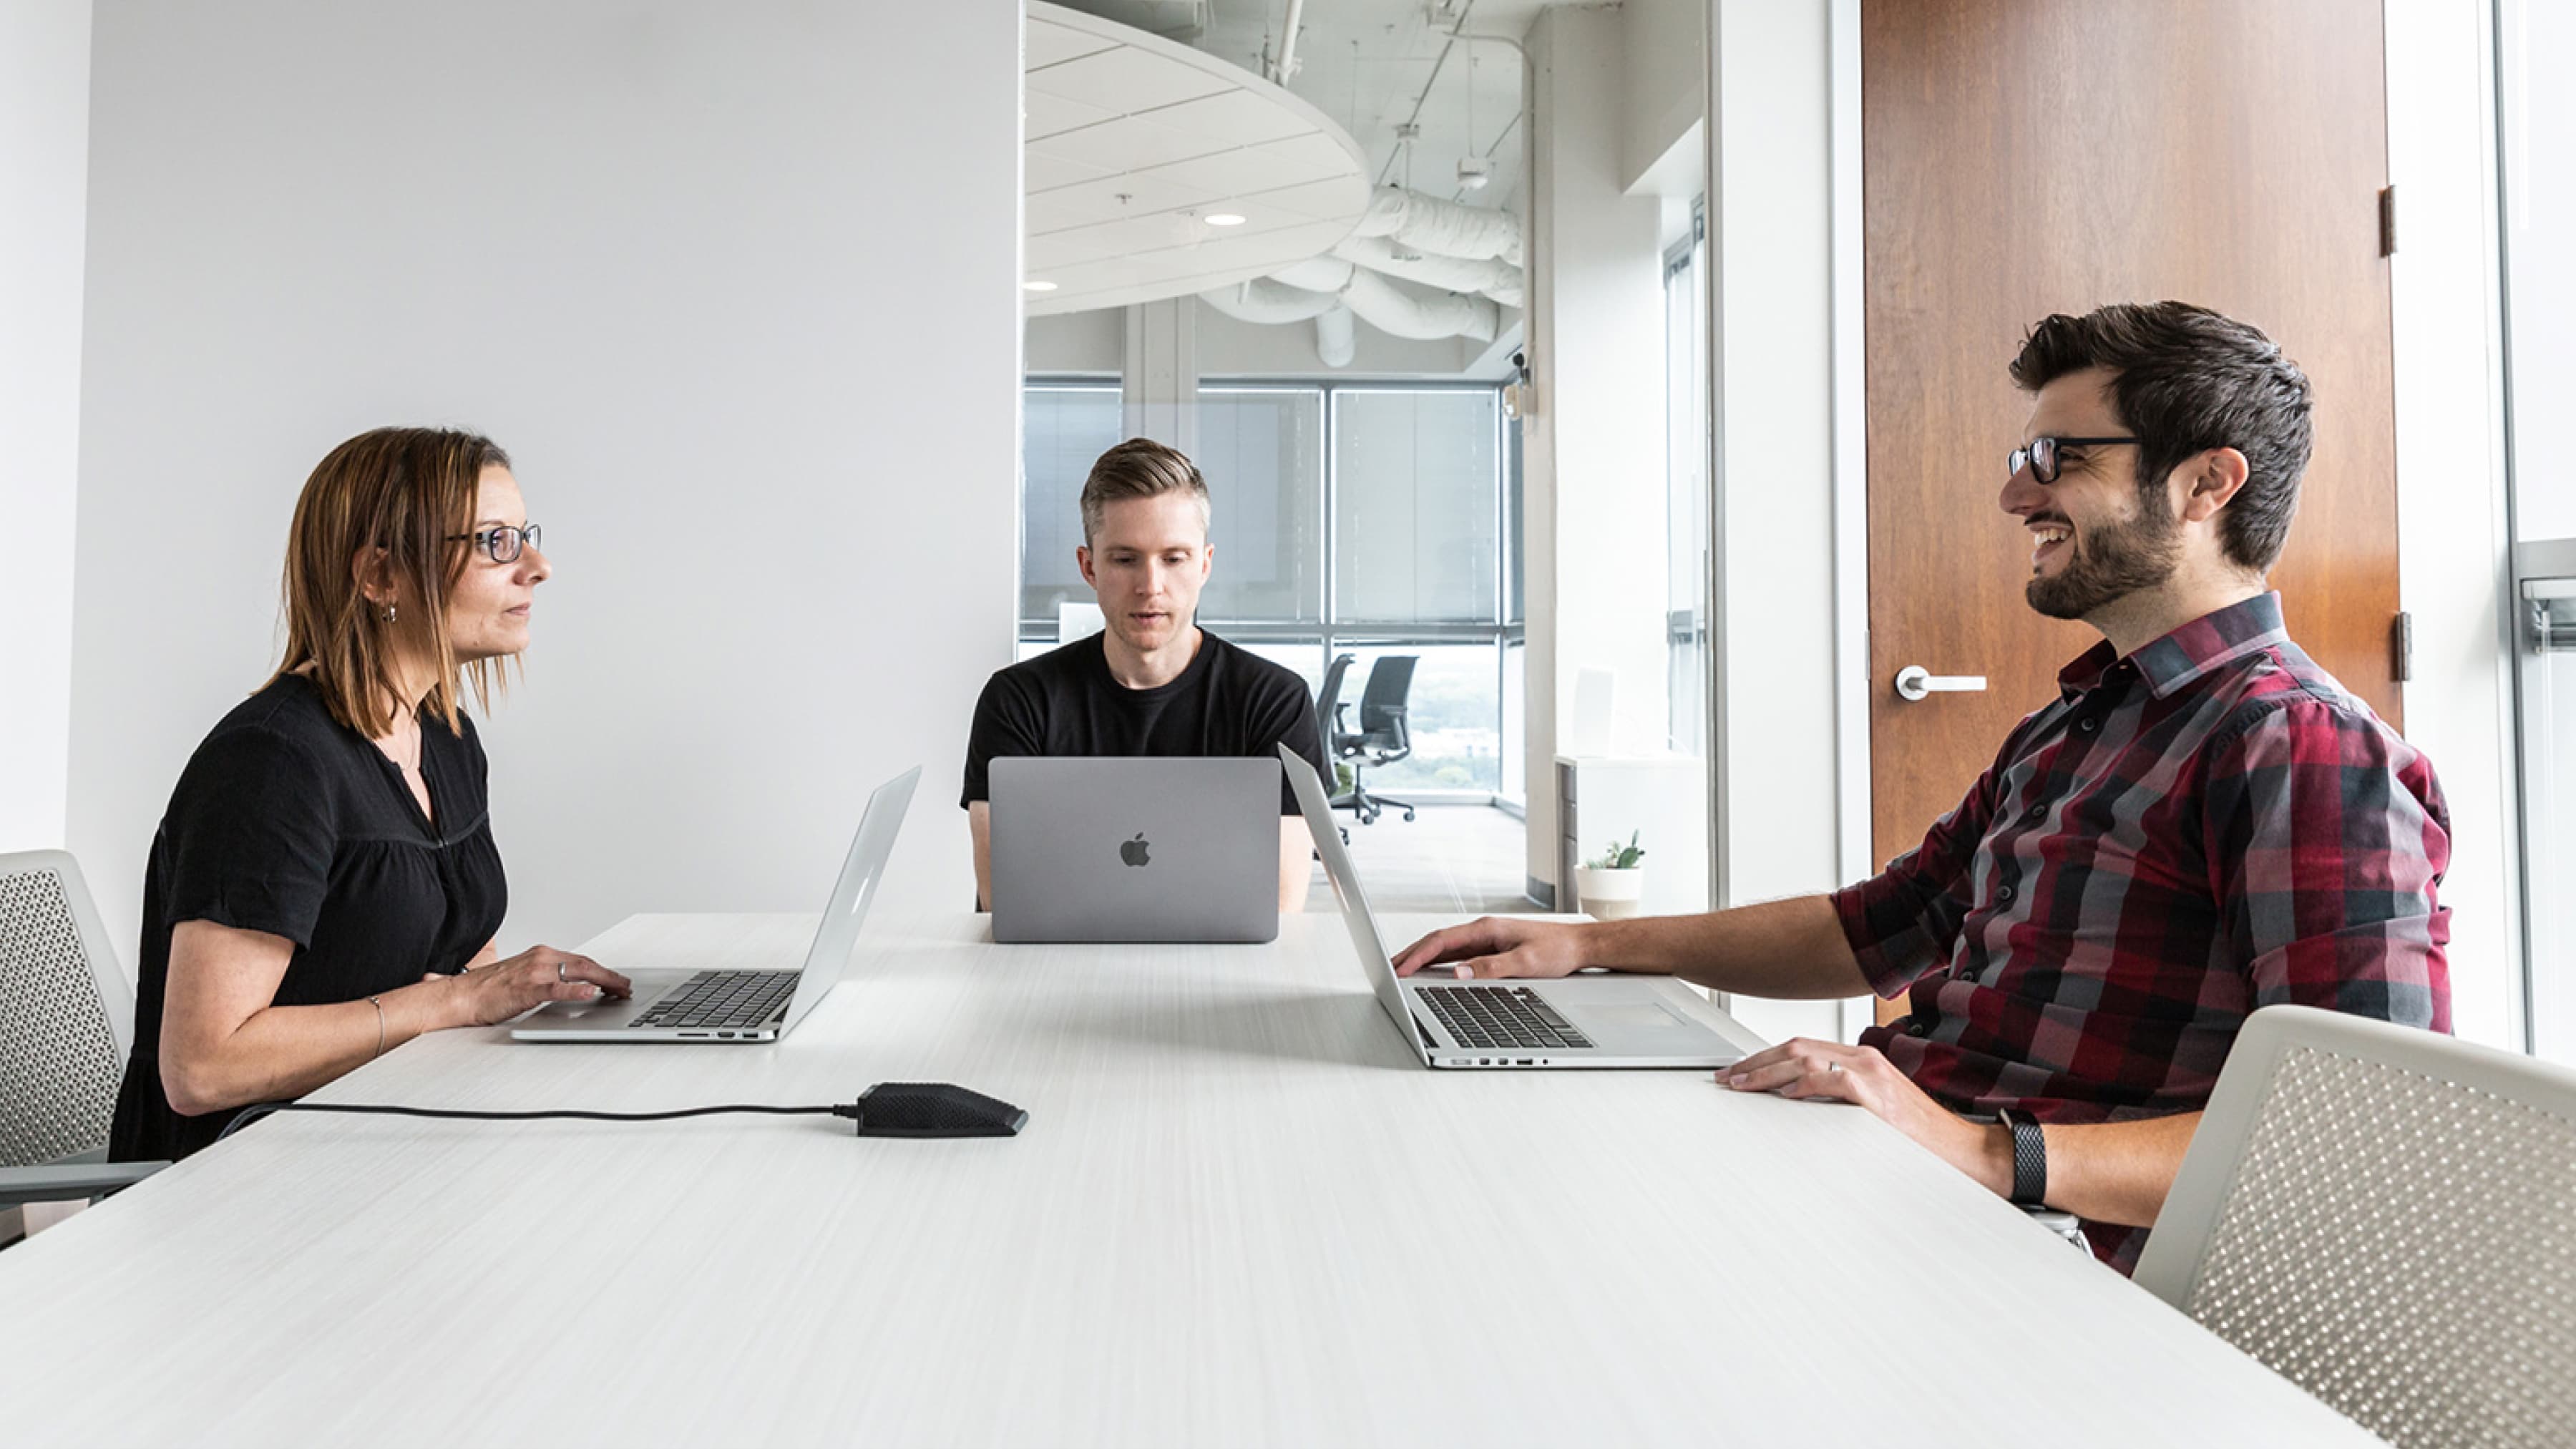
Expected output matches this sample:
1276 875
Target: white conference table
1240 1214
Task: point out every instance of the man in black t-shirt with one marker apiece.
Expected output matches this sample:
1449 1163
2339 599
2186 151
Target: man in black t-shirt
1152 682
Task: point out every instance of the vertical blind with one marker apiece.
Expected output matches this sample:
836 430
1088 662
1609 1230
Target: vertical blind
1262 453
1417 483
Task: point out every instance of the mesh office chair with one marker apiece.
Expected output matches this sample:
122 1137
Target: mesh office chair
2382 1216
66 1025
1383 737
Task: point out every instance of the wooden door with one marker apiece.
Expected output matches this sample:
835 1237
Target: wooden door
2023 157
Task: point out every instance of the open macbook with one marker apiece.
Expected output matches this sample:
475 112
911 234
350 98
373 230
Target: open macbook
1151 848
733 1006
1579 1021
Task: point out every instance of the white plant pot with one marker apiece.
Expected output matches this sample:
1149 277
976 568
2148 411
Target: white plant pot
1611 895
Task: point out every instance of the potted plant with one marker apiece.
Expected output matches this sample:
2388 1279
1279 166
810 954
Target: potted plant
1611 884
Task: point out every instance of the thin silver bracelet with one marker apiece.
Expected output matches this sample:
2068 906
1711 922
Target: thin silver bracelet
380 1026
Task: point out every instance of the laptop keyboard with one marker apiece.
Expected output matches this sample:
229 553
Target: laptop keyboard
730 999
1500 1016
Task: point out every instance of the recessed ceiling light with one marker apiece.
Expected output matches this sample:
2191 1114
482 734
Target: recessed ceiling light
1037 286
1225 218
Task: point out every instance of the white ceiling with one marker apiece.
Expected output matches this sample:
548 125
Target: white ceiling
1106 119
1367 63
1131 142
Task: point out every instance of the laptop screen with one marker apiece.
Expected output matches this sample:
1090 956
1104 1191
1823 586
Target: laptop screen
1318 811
857 886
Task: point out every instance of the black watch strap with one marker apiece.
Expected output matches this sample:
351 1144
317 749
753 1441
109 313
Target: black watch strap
2030 1158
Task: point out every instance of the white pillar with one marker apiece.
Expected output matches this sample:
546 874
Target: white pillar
1160 381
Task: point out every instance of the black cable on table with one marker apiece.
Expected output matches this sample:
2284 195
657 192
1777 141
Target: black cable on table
254 1113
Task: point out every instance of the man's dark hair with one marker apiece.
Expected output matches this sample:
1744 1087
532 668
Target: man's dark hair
2185 379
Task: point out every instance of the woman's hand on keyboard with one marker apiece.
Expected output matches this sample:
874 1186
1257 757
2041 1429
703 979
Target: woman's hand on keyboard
495 993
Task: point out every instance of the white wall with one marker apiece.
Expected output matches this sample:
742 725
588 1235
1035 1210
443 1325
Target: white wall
2451 536
737 284
1664 83
44 169
1771 238
1593 451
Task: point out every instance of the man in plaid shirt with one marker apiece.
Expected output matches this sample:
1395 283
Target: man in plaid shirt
2202 823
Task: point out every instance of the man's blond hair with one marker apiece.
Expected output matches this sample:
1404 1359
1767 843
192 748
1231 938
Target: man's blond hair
1139 468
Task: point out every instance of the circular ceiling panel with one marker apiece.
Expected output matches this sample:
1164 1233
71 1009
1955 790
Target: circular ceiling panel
1152 170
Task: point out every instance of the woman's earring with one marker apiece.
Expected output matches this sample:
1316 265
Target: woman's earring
389 613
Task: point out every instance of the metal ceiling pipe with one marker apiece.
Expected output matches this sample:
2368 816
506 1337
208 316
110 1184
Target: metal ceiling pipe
1288 45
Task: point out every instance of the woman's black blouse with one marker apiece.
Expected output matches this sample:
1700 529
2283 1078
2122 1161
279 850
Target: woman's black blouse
288 822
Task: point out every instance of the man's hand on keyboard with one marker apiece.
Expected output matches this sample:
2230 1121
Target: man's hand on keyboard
1497 947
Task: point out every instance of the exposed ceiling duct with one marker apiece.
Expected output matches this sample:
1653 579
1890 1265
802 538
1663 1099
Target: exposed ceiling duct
1428 224
1270 301
1416 267
1316 274
1406 310
1336 341
1491 276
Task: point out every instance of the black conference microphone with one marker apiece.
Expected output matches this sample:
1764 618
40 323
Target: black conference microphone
932 1109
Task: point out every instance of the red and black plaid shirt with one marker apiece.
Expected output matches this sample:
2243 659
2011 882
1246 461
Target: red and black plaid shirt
2207 826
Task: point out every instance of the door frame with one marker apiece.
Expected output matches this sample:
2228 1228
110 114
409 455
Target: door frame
1849 302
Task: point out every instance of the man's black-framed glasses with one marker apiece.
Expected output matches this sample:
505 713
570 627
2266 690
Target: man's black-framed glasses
2040 455
502 545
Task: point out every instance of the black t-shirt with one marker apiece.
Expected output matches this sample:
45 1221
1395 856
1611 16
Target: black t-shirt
288 822
1228 702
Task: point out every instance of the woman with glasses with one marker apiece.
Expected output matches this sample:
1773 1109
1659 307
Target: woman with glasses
324 885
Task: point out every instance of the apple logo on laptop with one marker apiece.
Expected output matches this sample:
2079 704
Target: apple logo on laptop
1133 851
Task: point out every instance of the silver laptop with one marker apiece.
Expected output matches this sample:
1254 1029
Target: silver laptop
1578 1021
730 1006
1157 848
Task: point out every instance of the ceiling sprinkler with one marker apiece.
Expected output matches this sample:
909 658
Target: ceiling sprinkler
1474 172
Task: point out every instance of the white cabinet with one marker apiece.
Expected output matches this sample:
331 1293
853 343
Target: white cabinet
1662 799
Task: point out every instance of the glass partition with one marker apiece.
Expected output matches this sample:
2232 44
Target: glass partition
2536 41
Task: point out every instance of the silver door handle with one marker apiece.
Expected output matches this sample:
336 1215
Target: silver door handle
1916 682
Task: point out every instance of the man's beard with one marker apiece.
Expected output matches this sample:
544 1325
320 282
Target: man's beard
2108 562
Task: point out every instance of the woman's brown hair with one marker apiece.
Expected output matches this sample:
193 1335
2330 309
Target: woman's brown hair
410 492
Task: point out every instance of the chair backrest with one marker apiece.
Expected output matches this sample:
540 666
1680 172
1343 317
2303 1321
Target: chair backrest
1330 695
2382 1215
66 1014
1383 702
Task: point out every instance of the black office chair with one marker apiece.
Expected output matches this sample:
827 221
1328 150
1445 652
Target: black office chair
1383 736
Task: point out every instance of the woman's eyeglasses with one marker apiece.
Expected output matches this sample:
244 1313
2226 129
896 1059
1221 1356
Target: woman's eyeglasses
502 545
2040 455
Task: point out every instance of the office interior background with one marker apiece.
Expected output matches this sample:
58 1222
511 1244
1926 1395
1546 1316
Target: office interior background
802 336
1635 370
